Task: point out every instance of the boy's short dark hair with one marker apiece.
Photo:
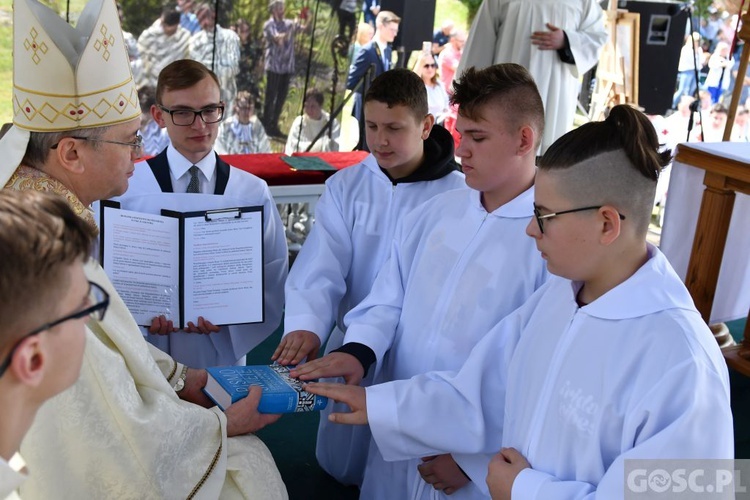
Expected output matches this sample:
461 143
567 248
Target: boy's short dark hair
40 236
316 95
146 98
182 74
400 87
170 16
626 178
508 85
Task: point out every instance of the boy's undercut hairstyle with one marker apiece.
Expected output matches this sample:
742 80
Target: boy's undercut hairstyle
182 74
40 236
400 87
613 162
509 86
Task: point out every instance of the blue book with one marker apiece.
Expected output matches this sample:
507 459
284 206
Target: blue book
281 393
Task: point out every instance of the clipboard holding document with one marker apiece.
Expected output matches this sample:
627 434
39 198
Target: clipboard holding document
186 264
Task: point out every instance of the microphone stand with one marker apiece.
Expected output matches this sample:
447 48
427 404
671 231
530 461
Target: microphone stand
696 105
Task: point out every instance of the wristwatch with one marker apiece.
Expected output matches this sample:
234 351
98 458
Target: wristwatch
180 383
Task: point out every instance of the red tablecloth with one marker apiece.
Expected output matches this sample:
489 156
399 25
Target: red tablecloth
272 169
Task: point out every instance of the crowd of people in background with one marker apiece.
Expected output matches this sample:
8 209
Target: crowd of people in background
707 73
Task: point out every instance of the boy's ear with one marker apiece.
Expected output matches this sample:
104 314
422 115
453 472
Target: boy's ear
158 114
611 224
427 123
527 140
29 362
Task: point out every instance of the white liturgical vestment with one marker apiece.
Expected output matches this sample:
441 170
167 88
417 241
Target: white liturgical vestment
355 221
577 390
455 271
501 33
122 432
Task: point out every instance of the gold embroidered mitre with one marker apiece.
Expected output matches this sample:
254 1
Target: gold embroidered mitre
67 78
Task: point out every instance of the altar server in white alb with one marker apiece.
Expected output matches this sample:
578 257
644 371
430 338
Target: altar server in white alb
188 104
606 363
356 217
134 425
458 264
556 40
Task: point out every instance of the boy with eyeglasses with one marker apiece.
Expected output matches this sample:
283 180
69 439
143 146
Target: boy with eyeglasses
45 300
189 106
604 375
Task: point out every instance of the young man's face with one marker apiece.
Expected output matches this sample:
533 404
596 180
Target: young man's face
567 237
390 31
194 141
395 137
485 149
66 341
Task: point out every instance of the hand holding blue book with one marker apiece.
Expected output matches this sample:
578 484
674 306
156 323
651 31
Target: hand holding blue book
281 393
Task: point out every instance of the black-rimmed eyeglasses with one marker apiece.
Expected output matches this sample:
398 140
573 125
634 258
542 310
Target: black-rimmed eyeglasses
99 300
540 218
137 144
186 117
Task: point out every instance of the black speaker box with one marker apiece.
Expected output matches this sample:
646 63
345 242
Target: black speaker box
662 36
417 21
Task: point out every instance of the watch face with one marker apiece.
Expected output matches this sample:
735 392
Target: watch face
179 385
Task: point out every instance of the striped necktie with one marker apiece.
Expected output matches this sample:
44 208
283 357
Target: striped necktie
195 183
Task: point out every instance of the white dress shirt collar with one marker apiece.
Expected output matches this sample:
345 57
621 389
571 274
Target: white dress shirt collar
178 171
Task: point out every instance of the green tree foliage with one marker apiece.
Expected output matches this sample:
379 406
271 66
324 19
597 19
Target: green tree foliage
472 6
701 8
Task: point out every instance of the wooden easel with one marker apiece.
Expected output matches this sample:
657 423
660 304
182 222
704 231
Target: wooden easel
617 72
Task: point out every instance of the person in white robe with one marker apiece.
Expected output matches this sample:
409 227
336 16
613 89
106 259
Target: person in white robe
122 430
163 42
242 133
155 138
609 361
45 300
218 49
458 265
188 84
355 221
308 125
557 41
